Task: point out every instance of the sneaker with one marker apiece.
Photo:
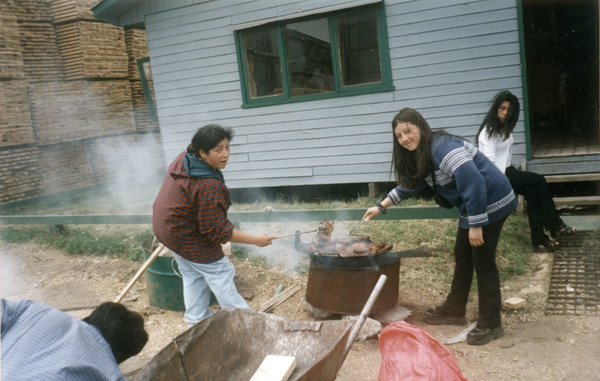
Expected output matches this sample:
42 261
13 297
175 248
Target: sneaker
480 336
438 316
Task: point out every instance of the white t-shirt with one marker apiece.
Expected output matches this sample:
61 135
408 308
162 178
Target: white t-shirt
497 149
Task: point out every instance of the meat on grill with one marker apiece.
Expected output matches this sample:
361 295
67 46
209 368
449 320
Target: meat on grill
353 246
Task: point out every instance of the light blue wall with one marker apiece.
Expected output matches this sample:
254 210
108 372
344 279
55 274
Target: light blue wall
448 59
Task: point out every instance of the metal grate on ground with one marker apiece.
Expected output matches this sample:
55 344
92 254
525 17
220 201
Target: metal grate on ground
575 280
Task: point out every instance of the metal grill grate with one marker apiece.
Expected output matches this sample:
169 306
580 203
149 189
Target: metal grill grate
575 280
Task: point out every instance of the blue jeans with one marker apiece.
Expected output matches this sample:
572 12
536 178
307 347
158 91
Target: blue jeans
199 279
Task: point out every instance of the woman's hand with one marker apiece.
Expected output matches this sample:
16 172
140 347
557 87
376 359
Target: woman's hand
371 213
476 236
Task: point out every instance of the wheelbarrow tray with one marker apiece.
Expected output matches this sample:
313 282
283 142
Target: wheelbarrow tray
232 343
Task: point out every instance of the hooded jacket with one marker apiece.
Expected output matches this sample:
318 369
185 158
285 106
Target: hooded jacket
190 212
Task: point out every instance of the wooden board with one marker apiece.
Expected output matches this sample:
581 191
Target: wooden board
66 166
92 50
11 58
14 164
41 59
95 108
275 368
15 119
72 10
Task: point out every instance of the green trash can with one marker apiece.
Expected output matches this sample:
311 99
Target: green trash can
165 286
164 282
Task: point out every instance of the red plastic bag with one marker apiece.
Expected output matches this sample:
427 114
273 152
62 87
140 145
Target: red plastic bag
410 353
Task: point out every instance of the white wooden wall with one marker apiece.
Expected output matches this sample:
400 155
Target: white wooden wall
448 58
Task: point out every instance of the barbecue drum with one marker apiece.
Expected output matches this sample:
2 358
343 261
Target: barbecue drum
342 283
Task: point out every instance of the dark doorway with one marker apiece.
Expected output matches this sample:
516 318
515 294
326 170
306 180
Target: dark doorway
561 48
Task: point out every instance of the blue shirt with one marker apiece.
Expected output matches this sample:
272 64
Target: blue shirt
468 179
43 343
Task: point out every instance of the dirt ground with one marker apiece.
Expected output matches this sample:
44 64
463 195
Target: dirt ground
535 346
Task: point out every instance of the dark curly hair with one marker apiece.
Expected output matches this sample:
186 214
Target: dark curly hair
121 328
492 124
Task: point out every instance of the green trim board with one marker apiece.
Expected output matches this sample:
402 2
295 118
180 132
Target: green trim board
523 55
351 214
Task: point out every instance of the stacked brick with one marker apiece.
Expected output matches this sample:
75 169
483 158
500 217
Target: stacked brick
67 88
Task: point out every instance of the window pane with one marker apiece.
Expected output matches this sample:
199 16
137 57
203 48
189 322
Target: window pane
262 63
358 49
309 57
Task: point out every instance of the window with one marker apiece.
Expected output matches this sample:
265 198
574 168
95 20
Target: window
332 55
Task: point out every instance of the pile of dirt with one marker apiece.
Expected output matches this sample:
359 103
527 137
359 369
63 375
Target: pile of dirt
535 346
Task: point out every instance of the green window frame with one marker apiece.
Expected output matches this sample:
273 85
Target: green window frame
329 55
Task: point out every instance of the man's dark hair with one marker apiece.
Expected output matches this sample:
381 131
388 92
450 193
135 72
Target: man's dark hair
121 328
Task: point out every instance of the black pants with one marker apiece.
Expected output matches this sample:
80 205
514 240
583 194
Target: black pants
482 260
541 210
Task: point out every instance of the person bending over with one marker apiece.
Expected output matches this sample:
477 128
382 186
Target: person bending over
484 198
40 342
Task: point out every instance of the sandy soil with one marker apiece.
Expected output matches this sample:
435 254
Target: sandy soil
535 346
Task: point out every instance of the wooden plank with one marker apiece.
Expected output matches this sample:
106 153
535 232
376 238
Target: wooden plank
573 177
581 200
275 368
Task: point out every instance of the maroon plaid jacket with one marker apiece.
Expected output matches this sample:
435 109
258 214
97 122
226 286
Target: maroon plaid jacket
190 214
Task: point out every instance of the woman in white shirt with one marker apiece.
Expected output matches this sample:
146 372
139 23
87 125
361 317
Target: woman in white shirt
495 141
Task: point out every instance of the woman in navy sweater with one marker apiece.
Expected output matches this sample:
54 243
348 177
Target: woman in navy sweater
484 198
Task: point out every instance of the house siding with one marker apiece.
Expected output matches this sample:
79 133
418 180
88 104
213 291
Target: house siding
448 59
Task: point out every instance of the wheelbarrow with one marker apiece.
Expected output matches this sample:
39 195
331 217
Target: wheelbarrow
232 343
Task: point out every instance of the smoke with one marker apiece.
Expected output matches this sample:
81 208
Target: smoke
282 253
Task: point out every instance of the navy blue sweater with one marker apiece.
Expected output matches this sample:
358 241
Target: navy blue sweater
468 179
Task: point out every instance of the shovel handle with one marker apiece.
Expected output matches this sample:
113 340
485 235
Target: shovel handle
140 272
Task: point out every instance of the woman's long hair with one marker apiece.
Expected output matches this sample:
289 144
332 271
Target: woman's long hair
411 166
208 137
492 124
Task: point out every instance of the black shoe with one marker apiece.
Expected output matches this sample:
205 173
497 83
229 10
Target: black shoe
480 336
438 316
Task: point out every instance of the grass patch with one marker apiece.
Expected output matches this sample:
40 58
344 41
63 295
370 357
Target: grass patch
122 242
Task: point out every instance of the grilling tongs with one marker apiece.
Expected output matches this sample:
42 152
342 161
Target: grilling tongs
357 226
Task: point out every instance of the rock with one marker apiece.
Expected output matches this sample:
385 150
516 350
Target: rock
396 313
370 327
316 312
514 303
